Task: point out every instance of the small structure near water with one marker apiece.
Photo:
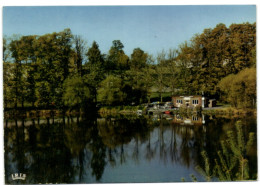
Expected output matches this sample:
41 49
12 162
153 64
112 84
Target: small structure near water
193 101
186 102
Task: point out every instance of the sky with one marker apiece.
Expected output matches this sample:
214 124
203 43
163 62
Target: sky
151 28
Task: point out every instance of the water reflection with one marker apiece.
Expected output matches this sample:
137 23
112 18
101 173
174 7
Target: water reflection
191 119
122 149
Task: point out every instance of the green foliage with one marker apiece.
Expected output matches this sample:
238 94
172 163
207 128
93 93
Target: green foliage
9 94
43 91
232 161
134 87
76 92
138 59
38 67
194 179
96 69
94 55
110 91
183 61
214 54
205 171
240 89
160 79
79 53
117 60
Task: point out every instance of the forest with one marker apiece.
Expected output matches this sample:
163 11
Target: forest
59 70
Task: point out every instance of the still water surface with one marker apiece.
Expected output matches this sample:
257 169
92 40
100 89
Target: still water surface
115 149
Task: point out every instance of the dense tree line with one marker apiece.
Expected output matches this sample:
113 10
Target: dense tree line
217 53
58 70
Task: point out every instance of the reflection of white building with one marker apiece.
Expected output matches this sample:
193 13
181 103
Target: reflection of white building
194 119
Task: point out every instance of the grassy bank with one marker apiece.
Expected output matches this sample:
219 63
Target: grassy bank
166 96
231 111
107 110
120 109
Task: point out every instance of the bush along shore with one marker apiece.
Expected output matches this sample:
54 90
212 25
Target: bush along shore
230 111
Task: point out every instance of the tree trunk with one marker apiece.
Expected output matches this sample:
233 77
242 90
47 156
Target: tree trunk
22 103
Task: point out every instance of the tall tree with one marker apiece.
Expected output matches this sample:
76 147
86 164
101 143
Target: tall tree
172 71
54 60
134 85
147 77
96 68
79 53
65 42
18 78
184 65
138 59
117 60
7 73
161 73
27 55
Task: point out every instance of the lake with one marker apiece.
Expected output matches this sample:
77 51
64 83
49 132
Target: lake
122 149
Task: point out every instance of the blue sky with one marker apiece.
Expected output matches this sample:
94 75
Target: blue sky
152 28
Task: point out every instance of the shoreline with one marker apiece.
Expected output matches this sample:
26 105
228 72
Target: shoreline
225 111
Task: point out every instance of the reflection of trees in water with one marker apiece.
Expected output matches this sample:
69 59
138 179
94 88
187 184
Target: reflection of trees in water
51 156
186 135
173 145
98 150
39 152
118 132
13 151
76 138
64 152
162 143
150 152
16 142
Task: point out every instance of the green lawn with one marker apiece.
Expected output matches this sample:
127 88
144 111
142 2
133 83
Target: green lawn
156 96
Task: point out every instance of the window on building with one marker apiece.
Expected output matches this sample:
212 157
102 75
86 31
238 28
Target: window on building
195 102
179 101
194 118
